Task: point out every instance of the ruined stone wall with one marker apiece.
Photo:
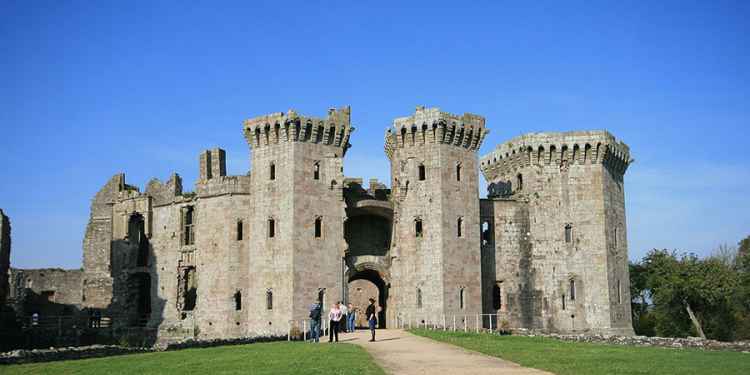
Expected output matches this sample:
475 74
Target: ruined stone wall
562 179
4 256
294 265
429 270
46 291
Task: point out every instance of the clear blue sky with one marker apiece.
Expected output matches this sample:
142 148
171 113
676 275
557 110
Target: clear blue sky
89 89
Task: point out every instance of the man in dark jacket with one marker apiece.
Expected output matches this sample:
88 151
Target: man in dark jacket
372 318
315 315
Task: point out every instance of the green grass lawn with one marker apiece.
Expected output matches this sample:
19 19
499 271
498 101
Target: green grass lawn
572 358
267 358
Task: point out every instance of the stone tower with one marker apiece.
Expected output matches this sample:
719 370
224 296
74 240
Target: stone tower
298 214
435 247
553 242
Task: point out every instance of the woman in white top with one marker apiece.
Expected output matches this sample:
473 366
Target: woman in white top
335 317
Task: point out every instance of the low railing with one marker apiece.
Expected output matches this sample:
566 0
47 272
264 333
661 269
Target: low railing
466 323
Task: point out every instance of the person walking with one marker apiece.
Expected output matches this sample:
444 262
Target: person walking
334 316
344 317
351 317
315 316
372 319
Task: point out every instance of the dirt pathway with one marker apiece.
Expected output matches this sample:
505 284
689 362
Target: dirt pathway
399 352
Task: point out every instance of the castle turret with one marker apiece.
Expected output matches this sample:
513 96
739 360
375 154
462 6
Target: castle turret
557 212
436 257
296 183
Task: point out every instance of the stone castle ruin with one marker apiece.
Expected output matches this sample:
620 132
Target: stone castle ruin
245 255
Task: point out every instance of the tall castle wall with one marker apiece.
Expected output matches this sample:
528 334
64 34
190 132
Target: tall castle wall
297 178
4 256
435 187
567 190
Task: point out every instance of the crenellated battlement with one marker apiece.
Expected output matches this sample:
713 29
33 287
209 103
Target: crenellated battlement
430 125
558 149
334 130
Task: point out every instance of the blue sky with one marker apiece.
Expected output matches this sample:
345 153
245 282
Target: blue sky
89 89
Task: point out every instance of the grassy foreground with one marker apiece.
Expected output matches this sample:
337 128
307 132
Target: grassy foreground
572 358
268 358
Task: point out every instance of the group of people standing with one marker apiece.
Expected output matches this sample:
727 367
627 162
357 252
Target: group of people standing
341 317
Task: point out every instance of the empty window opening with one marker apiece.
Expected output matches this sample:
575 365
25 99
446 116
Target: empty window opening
188 233
188 288
272 172
316 171
269 299
462 298
238 300
459 226
422 173
572 290
519 182
568 233
419 298
497 296
614 238
318 227
418 227
239 230
619 292
137 236
486 233
563 302
271 228
458 171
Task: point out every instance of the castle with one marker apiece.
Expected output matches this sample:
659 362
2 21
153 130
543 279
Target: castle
245 255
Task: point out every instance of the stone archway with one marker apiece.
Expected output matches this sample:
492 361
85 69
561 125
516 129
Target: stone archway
364 283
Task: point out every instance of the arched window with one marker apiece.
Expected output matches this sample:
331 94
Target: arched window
269 299
519 182
418 227
419 298
422 173
458 171
272 171
316 171
318 227
239 230
271 228
572 290
462 298
459 227
568 233
238 300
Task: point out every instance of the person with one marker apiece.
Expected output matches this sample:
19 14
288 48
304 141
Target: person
334 317
372 318
344 316
351 317
315 315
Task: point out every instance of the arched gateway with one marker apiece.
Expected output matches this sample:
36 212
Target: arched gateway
368 231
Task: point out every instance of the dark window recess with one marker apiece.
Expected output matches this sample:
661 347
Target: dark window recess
316 171
572 290
563 302
239 230
238 300
458 172
188 233
461 298
272 171
271 228
497 297
269 299
568 233
519 182
422 173
419 298
418 227
459 227
318 227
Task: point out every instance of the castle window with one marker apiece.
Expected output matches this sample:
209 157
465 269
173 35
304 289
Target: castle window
486 233
572 290
462 298
239 230
188 235
519 182
316 171
459 226
318 227
458 171
563 302
614 239
272 172
619 291
418 227
586 153
419 298
238 300
422 173
269 299
271 228
568 233
497 296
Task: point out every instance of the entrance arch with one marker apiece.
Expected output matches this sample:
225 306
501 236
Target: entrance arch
362 284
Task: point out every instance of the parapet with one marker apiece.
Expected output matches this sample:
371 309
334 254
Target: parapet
430 125
334 130
213 163
559 149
